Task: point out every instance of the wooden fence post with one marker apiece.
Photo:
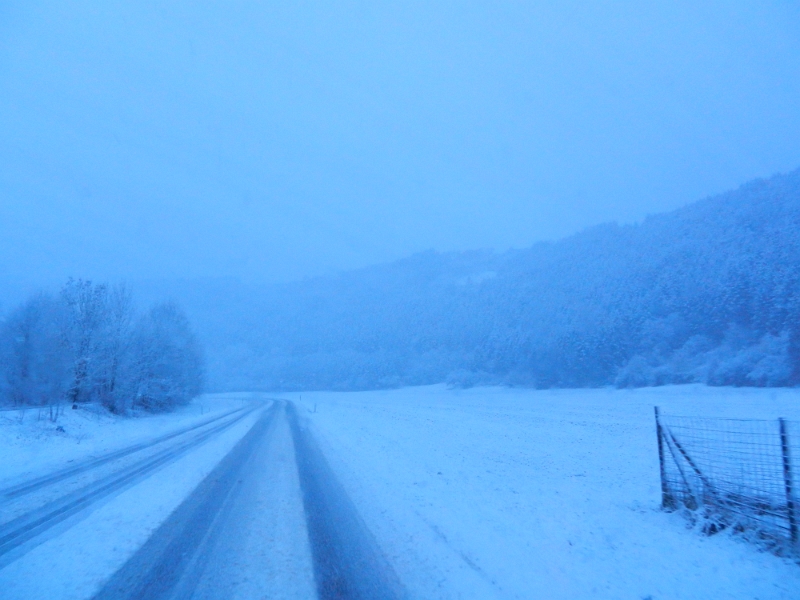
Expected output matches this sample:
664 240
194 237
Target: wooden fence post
667 501
787 480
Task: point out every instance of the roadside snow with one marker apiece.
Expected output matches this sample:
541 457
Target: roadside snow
31 444
509 493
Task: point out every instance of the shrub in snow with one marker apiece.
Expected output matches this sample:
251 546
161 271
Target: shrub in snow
636 373
772 366
763 363
740 358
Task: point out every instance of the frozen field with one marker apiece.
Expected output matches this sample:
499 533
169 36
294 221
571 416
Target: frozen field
507 493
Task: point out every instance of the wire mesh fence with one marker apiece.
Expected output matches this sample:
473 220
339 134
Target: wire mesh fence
735 473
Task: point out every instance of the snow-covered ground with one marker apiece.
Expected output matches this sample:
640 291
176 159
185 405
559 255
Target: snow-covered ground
480 493
77 557
510 493
31 444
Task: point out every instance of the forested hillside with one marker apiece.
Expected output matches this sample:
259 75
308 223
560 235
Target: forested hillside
708 293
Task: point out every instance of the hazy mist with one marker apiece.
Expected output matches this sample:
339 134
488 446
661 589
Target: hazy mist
274 141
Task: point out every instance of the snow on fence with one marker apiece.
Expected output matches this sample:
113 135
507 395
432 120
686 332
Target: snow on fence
733 473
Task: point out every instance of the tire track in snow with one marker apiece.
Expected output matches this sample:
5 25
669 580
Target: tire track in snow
348 564
198 544
175 552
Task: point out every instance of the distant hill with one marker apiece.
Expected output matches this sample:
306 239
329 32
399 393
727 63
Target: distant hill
710 293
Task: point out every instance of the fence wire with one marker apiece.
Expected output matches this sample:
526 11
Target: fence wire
736 473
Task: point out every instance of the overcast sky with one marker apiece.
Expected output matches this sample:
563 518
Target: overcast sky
277 140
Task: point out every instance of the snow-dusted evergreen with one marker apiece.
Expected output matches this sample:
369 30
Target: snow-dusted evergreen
88 345
708 293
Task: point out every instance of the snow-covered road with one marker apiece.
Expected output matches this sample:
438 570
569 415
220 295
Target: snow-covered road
240 534
33 507
260 527
255 526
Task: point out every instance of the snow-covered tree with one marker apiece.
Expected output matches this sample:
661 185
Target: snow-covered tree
165 366
87 346
34 357
86 317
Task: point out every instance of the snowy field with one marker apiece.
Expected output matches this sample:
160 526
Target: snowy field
509 493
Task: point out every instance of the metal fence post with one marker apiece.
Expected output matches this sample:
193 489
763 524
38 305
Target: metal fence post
787 480
667 501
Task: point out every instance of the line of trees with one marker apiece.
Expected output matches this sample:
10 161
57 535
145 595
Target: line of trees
87 344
